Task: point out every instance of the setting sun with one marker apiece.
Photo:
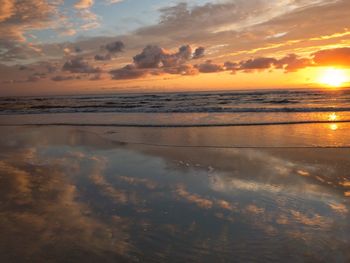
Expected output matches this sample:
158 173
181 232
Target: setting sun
333 77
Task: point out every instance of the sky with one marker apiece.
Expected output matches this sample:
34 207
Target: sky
89 46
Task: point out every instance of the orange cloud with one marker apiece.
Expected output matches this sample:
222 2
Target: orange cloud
333 57
83 4
6 9
26 15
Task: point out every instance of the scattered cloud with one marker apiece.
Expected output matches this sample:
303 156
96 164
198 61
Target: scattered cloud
112 49
150 57
103 57
209 67
62 78
257 64
84 4
78 50
156 57
154 60
231 66
18 17
69 32
274 36
199 52
184 69
97 76
6 9
115 47
114 1
128 72
79 65
292 63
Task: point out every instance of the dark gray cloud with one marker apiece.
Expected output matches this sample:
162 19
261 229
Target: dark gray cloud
78 50
51 68
150 57
209 67
199 52
128 72
289 63
169 59
185 52
115 47
79 65
23 67
112 49
106 57
260 63
185 69
62 78
154 60
231 65
154 56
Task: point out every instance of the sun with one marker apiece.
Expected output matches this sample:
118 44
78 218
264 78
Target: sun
333 77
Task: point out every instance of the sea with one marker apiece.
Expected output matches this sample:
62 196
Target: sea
225 108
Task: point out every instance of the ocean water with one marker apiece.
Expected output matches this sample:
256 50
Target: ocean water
214 102
184 109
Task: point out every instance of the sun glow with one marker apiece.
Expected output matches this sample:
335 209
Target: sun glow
333 77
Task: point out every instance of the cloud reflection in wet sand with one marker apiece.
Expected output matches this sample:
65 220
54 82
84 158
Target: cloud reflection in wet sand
74 196
42 221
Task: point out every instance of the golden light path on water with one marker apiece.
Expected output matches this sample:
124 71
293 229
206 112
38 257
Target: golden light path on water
333 117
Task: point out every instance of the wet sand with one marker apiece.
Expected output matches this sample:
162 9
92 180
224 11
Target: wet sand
228 194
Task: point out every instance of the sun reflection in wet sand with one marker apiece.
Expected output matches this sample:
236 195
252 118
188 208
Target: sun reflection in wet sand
333 117
333 126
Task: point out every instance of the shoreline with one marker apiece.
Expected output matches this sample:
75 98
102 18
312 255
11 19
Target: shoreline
321 135
176 125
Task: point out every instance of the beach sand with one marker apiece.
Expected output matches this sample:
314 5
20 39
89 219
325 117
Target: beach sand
127 194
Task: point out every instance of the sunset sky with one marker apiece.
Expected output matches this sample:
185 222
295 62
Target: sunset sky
87 46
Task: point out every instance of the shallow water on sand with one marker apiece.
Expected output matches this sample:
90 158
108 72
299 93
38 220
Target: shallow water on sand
78 195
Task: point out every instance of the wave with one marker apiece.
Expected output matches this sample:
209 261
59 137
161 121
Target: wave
160 109
177 125
262 105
